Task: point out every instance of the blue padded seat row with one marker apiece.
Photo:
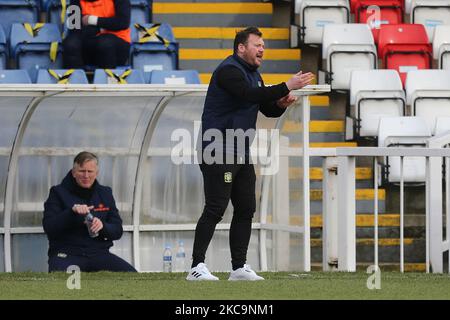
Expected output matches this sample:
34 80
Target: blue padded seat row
14 76
118 76
62 76
53 9
153 48
141 11
17 11
175 77
3 50
38 47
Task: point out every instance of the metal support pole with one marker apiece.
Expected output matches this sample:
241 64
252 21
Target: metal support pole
330 215
346 214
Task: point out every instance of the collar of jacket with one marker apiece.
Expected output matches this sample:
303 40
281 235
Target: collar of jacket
70 184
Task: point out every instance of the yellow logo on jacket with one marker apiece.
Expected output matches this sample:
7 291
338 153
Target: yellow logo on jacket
227 177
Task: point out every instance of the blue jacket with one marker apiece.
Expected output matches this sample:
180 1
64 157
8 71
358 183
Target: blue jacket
66 230
223 110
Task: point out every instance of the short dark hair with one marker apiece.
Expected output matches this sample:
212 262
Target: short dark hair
84 156
242 36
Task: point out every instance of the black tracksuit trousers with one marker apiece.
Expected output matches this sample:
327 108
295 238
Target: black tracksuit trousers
219 190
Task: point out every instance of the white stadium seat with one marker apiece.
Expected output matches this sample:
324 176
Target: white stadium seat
428 94
315 14
442 125
403 132
375 94
347 47
430 13
441 46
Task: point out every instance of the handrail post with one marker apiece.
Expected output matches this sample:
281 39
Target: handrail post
346 214
329 215
434 203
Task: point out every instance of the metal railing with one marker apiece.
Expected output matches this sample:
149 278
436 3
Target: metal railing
339 244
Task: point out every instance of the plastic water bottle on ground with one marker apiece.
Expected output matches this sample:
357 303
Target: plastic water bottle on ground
167 259
180 258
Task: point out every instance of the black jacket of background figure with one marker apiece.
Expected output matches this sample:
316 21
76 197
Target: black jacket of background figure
66 230
235 95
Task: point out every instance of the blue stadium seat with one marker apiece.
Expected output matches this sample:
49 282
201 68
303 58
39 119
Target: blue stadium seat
62 76
53 9
118 76
3 50
175 77
14 76
36 47
153 48
17 11
141 11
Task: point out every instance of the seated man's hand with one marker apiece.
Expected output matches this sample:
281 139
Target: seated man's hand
82 209
97 225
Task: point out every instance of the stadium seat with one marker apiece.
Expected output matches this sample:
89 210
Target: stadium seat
403 132
14 76
36 47
442 125
404 47
354 4
118 76
384 12
53 8
347 47
153 48
441 46
375 94
141 11
428 94
175 77
17 11
62 76
408 4
315 14
3 49
430 13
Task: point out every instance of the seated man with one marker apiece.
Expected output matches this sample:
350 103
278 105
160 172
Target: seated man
70 241
104 38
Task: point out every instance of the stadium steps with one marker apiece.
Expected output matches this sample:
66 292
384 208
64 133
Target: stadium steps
205 60
223 37
206 31
213 14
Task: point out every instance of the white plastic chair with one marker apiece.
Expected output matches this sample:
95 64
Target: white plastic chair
345 48
430 13
375 94
315 14
441 46
428 94
403 132
442 125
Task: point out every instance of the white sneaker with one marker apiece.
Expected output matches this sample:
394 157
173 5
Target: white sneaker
244 273
200 272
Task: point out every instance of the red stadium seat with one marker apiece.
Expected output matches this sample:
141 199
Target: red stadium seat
354 4
404 47
390 13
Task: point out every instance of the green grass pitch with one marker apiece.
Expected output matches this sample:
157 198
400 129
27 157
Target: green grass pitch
277 286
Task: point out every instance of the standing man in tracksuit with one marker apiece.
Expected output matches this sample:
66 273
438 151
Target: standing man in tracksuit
65 209
235 95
